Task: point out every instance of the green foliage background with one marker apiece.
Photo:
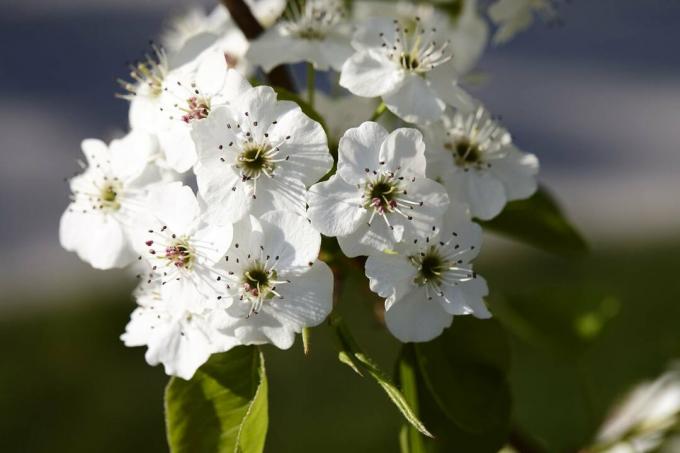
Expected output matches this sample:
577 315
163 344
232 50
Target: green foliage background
582 331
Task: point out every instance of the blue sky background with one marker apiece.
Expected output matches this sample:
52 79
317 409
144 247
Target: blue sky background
598 100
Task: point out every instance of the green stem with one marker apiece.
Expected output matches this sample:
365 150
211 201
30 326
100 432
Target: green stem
311 84
378 111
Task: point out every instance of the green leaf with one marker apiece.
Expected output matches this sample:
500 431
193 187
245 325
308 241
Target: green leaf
223 408
538 221
465 370
307 109
351 355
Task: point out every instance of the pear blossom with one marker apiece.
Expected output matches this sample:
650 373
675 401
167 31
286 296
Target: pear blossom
179 338
467 31
180 248
189 93
106 199
431 279
515 16
275 285
645 417
316 31
194 22
474 157
256 155
379 195
145 88
410 64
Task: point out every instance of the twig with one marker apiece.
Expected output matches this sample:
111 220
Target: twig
251 28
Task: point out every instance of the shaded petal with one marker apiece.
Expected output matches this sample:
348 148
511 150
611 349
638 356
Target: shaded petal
358 150
291 238
335 207
371 74
307 299
413 318
484 193
175 205
404 151
415 101
517 171
390 276
466 298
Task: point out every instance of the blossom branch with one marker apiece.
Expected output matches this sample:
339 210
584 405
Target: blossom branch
251 28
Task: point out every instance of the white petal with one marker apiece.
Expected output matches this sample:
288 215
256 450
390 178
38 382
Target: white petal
390 276
98 239
466 298
485 194
212 242
182 348
291 238
307 299
227 197
304 141
175 205
211 72
358 150
273 48
335 207
415 101
95 151
404 150
371 74
179 148
413 318
334 50
426 219
517 171
131 154
443 82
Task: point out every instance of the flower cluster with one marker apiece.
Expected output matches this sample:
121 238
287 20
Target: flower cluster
236 262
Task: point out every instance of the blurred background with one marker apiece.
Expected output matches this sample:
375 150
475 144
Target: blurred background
597 99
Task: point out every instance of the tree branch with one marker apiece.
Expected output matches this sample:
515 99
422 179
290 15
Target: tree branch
251 28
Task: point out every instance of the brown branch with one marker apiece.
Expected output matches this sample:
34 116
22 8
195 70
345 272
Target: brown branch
251 28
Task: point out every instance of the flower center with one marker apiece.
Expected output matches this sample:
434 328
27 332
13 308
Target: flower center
414 46
180 254
254 160
381 194
258 284
109 196
408 61
313 19
197 109
431 266
147 75
465 152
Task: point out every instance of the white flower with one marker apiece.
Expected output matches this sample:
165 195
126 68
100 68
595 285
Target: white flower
107 198
380 195
314 30
466 29
257 155
646 415
181 249
275 286
189 93
514 16
475 159
181 339
145 88
410 64
430 280
193 23
266 11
